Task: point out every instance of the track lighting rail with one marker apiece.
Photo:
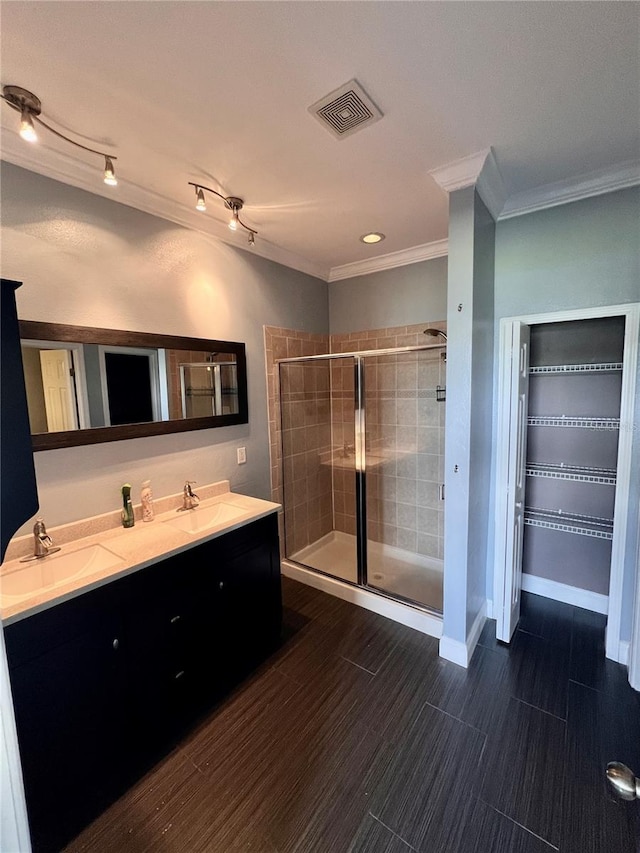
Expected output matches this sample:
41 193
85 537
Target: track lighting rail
29 106
232 202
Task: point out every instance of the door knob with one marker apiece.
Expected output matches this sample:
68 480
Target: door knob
623 781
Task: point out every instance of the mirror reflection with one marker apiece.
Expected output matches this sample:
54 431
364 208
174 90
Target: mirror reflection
96 382
81 386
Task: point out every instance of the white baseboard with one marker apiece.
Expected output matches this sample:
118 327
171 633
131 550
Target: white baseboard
459 652
624 650
412 617
584 598
490 609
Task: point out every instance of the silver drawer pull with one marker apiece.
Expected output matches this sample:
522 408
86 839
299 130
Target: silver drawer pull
116 644
175 619
179 674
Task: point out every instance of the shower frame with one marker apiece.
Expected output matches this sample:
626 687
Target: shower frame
359 357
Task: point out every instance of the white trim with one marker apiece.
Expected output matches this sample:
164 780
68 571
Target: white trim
461 173
624 653
490 609
14 826
425 252
88 176
634 649
584 598
623 482
479 170
491 187
461 653
412 617
607 180
631 312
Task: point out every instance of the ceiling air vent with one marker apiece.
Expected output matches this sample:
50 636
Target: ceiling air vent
346 110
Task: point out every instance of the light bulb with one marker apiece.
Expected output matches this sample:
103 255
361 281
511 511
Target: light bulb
233 222
109 173
200 202
252 238
27 130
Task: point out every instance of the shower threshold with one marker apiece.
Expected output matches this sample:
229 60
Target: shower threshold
410 577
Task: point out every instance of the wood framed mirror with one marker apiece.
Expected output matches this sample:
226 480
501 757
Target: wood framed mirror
88 385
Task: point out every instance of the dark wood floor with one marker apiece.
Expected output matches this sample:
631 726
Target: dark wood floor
355 736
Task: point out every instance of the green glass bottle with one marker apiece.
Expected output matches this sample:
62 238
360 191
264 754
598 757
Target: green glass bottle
128 519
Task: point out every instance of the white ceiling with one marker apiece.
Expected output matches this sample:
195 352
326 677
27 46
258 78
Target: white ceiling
217 92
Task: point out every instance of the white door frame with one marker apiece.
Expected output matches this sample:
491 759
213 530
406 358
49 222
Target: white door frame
152 355
623 516
512 391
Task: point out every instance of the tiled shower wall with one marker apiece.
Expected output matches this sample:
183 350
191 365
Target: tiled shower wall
405 428
304 429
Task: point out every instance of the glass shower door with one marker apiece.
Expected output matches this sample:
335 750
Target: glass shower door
318 453
404 466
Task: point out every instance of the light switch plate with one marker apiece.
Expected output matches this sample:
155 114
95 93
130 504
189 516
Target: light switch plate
242 455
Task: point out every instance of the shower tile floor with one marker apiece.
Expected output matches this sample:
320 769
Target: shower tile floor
355 737
391 570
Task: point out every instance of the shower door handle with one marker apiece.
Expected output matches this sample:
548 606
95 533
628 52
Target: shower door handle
441 492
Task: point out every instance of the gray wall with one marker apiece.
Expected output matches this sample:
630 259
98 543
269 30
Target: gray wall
397 297
578 255
469 414
86 260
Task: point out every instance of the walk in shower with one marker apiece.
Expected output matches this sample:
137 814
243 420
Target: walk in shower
362 468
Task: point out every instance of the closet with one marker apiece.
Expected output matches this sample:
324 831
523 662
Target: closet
573 429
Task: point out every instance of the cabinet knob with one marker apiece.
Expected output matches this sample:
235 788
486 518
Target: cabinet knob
116 644
175 619
221 584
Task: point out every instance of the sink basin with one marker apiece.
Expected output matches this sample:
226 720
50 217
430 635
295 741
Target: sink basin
57 569
205 517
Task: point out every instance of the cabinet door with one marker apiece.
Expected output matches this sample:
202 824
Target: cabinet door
71 730
249 598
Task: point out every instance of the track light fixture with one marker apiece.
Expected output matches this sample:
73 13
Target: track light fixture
29 106
232 202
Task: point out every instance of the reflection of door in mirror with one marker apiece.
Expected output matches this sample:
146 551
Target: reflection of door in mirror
53 391
130 383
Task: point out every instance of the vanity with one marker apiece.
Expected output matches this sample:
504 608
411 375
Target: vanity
111 665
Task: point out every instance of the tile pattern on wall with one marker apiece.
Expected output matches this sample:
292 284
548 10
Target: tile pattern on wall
312 416
405 439
299 420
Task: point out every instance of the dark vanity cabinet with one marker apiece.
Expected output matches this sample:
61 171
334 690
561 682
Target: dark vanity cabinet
105 683
17 474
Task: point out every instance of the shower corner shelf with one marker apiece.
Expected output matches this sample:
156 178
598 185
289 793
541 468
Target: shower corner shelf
574 473
559 369
583 525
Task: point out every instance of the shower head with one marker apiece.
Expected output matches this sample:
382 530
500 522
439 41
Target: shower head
434 333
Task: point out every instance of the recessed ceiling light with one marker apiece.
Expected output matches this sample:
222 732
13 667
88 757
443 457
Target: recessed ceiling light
374 237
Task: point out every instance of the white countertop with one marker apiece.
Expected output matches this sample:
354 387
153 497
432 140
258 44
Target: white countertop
125 551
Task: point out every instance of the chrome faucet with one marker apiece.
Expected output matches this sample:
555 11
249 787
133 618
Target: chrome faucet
189 498
347 450
42 542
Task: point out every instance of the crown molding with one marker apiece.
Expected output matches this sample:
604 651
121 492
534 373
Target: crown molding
404 257
479 170
460 173
490 185
77 173
610 179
